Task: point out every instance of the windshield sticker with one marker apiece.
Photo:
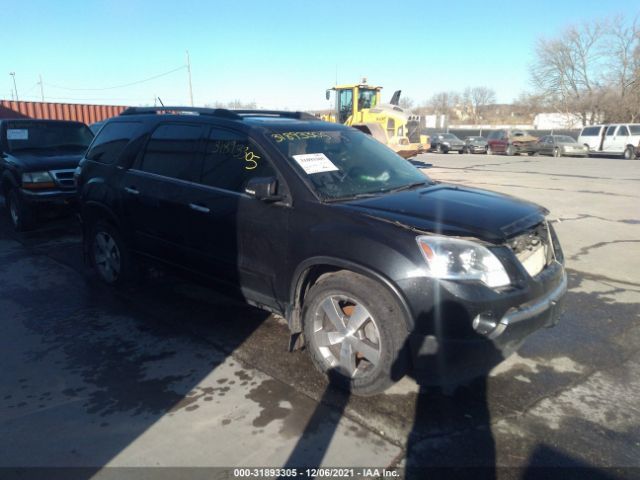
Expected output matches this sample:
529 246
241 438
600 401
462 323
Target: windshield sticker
291 136
17 134
315 163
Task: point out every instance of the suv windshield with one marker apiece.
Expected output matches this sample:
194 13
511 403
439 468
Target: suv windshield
47 136
343 164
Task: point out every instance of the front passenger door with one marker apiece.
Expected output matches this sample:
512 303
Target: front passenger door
244 240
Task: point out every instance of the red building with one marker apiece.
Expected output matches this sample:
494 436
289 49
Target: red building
58 111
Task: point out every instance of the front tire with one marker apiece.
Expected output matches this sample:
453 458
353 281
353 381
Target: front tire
509 151
489 151
355 333
109 254
556 152
22 216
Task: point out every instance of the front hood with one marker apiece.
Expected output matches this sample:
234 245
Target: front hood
454 210
46 160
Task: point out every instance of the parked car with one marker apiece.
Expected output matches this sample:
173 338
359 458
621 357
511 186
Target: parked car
612 139
446 142
561 146
510 142
37 165
376 267
475 144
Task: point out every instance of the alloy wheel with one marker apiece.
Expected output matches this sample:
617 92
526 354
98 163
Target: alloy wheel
107 256
346 335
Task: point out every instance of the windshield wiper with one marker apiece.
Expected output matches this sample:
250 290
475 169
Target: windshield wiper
70 145
406 187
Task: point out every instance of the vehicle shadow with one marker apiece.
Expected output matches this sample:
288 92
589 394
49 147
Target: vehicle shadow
451 434
88 370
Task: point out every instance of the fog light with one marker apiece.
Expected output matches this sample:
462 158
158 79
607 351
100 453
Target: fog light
484 324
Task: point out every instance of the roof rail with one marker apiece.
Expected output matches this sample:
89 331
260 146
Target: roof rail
219 112
276 113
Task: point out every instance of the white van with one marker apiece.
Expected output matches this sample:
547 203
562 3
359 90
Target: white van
612 139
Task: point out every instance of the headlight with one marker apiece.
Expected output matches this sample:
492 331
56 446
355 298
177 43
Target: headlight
445 143
36 180
455 259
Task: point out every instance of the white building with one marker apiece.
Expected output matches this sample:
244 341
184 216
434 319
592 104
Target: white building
550 121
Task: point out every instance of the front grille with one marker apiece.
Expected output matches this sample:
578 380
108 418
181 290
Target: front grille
533 249
63 178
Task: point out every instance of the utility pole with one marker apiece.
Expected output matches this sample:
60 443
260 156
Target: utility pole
15 89
189 72
41 88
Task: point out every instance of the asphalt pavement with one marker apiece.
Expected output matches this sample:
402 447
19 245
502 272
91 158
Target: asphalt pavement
172 373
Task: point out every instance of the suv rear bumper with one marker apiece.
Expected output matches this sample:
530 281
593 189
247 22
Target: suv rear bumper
448 360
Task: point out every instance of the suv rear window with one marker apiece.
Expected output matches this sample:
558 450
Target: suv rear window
635 129
173 151
111 140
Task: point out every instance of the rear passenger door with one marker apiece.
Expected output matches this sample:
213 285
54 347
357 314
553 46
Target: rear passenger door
158 193
244 240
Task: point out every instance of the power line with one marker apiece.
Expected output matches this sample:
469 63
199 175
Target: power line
120 86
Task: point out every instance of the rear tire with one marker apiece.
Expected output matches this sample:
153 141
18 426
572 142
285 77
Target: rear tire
629 153
22 216
439 149
489 151
509 151
110 255
355 333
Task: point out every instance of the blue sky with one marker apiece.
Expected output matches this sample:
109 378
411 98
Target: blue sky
278 53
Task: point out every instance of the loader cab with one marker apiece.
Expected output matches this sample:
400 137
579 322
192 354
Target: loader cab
352 99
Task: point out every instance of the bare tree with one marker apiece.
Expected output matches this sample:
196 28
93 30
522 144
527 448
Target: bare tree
406 103
592 70
624 69
476 99
234 105
566 70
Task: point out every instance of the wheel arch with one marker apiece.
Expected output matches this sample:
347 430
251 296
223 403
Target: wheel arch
312 269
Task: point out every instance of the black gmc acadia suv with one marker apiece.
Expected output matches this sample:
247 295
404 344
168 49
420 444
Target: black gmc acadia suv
37 162
378 269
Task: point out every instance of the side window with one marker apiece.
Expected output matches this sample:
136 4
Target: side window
611 130
231 160
108 145
623 131
173 151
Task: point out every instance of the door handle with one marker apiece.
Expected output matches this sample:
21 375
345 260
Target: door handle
199 208
132 190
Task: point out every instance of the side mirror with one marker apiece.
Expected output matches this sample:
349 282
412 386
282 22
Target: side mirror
328 94
263 188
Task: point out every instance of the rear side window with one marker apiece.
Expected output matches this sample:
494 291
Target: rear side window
611 130
590 132
173 151
623 131
231 160
111 140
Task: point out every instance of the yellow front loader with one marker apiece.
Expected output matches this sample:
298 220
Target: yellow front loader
359 106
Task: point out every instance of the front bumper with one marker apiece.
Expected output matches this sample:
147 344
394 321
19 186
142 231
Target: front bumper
55 197
442 358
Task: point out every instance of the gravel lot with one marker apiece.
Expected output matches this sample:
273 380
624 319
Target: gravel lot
174 374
